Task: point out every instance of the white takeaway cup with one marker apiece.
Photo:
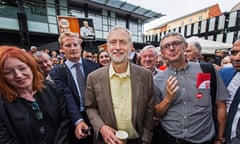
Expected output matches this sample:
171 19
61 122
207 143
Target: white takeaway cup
122 135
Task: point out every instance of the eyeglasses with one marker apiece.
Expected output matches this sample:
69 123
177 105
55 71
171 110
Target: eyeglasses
234 52
174 44
36 108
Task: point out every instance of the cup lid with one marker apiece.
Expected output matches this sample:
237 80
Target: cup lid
121 134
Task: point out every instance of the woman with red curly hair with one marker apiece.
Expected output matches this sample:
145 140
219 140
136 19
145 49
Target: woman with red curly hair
32 110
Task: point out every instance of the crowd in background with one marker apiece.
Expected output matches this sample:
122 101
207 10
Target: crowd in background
220 59
153 93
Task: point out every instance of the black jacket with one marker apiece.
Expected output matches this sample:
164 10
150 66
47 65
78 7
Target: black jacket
15 122
63 78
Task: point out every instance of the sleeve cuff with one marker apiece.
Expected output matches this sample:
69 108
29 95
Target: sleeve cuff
78 121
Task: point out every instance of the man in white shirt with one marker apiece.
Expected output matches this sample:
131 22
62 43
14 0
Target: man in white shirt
86 31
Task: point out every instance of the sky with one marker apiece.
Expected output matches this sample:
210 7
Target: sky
177 8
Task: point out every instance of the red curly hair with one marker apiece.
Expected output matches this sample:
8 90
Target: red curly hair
7 91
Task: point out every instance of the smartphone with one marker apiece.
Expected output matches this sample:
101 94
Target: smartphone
86 130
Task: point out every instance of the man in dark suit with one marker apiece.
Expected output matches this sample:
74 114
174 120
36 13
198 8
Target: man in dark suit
231 78
71 79
119 96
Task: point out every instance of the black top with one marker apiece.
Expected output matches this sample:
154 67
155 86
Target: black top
23 122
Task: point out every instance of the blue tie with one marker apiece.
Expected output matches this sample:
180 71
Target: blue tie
81 84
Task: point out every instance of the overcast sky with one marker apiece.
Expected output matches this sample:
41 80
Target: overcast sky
177 8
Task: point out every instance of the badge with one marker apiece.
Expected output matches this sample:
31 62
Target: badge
203 80
199 95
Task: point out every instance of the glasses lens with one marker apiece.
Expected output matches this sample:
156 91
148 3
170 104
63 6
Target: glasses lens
176 43
173 44
234 52
166 46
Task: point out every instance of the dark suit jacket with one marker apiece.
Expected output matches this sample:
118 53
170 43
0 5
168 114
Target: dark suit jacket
227 74
62 76
98 101
236 140
14 117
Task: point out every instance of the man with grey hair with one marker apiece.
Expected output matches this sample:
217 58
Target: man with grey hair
44 63
119 96
193 52
183 98
148 58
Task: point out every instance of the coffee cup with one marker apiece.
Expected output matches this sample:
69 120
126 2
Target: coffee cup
122 135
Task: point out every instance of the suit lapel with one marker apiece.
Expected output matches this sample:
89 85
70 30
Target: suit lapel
85 67
106 94
70 81
136 88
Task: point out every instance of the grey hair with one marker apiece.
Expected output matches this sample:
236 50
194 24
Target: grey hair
197 45
120 28
153 48
173 34
41 54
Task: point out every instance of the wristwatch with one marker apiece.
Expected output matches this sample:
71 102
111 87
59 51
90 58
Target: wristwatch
222 140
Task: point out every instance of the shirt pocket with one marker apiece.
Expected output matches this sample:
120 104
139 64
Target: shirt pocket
202 98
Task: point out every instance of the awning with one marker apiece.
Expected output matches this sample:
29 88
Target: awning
209 46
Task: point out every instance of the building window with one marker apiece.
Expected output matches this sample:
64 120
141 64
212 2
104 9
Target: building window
200 18
112 22
189 30
183 30
195 28
230 36
133 27
121 22
219 37
212 24
36 10
203 26
105 13
8 8
238 36
221 22
232 19
97 21
77 13
210 37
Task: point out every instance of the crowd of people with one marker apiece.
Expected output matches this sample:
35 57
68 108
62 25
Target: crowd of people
157 96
